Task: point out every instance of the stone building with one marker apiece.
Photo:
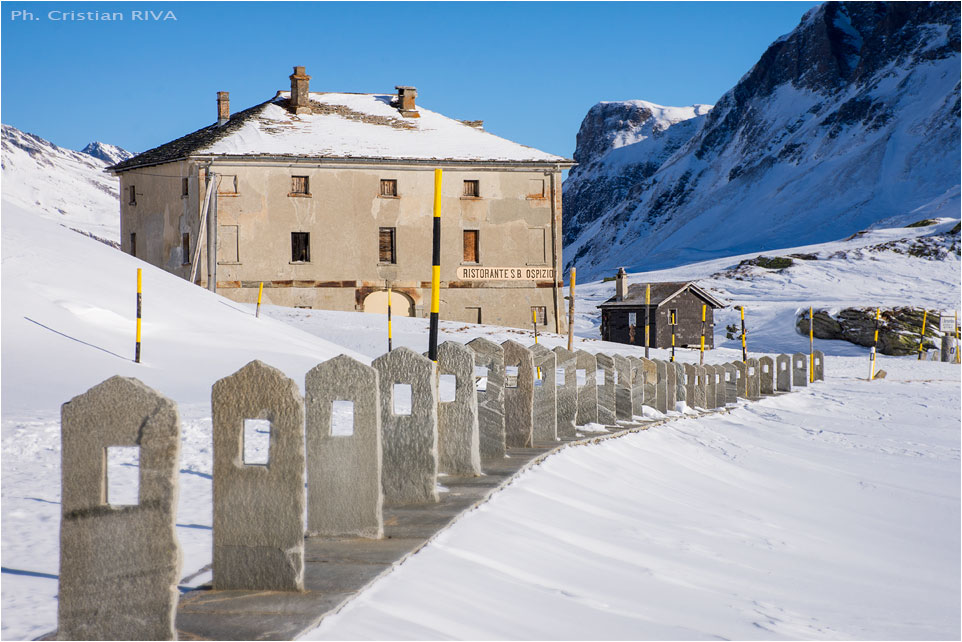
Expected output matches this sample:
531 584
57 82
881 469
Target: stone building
677 304
327 199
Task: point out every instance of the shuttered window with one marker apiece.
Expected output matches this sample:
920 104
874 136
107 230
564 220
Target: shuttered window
185 247
471 246
388 187
472 189
227 239
386 246
538 313
132 200
184 187
300 185
133 244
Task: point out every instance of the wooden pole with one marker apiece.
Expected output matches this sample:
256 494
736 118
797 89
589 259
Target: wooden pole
571 308
811 344
435 270
958 347
744 333
200 232
925 314
260 293
871 375
647 316
212 238
704 322
139 302
389 346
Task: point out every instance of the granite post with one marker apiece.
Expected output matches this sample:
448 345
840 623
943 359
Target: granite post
754 392
661 386
587 393
637 384
545 395
741 382
783 366
409 436
691 378
119 564
799 370
819 365
623 407
567 393
681 388
651 382
490 355
258 509
606 392
518 396
458 438
344 495
766 375
731 379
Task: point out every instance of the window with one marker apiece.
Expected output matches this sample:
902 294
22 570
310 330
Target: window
226 184
536 188
473 315
389 187
471 246
472 189
185 247
386 246
227 242
538 314
632 318
300 247
184 188
536 246
132 195
672 317
133 244
300 186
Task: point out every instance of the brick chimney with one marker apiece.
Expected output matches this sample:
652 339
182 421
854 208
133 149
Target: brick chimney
621 285
405 101
223 107
300 99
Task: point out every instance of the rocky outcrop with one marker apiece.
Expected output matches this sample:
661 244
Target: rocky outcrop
850 119
899 328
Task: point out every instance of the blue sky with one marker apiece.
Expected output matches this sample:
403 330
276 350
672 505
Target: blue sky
530 70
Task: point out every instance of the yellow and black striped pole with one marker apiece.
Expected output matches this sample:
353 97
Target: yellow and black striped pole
958 347
435 270
389 320
260 293
139 304
925 314
811 344
647 316
871 375
673 321
744 342
701 356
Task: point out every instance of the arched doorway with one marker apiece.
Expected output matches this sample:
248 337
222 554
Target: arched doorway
401 304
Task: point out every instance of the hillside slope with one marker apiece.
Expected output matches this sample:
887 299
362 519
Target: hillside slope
850 120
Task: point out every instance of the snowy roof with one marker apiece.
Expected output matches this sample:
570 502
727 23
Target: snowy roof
341 126
661 293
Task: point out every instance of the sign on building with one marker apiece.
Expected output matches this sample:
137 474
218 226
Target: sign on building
506 273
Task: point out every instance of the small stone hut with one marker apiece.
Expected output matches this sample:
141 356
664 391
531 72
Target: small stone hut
623 316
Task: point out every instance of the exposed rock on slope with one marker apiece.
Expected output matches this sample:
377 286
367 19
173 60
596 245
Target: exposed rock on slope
849 120
110 154
899 328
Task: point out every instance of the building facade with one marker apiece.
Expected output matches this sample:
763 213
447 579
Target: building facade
326 199
673 308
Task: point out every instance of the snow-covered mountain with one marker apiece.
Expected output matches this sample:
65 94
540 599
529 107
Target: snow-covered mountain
852 119
61 184
110 154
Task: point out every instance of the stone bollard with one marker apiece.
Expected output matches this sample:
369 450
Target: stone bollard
766 375
741 379
799 369
518 396
701 387
458 439
606 392
819 370
783 376
119 564
545 395
637 385
681 389
691 378
671 385
588 392
711 384
567 392
258 509
490 355
719 386
344 496
949 349
661 386
409 435
752 377
651 382
624 410
731 379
